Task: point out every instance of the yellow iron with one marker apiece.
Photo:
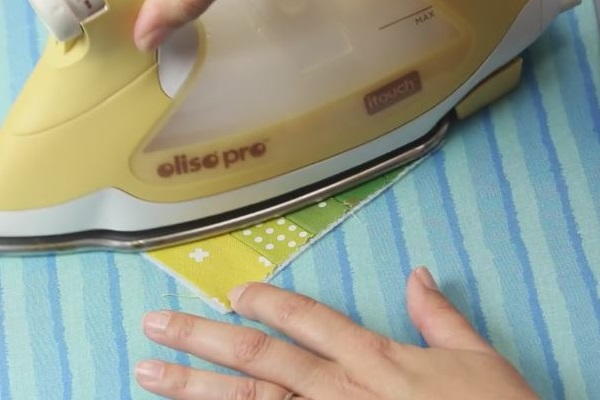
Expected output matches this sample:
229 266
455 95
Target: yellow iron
261 107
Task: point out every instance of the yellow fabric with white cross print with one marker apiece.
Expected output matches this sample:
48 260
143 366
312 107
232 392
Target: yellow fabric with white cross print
214 266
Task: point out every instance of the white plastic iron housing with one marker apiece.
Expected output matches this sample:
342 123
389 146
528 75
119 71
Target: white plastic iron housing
64 17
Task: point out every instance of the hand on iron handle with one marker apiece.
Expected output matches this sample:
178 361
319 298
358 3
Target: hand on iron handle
158 18
338 359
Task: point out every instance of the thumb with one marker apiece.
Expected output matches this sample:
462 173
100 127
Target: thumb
158 18
437 319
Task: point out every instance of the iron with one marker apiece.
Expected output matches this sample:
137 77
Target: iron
257 109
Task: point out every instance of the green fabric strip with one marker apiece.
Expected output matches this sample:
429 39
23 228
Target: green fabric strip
319 217
354 197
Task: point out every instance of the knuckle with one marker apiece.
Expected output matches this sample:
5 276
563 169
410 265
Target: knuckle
192 8
439 310
319 374
178 378
443 307
181 328
380 345
294 308
244 390
250 345
345 384
336 378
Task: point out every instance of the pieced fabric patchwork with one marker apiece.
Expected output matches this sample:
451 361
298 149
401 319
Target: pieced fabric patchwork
212 267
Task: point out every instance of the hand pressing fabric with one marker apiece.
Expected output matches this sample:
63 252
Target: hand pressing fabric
338 359
158 18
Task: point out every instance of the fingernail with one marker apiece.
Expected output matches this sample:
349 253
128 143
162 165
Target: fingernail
235 295
157 322
149 371
152 39
427 279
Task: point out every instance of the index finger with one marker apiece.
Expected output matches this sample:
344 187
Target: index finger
310 323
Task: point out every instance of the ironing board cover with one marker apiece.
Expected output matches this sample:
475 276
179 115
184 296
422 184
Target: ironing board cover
507 216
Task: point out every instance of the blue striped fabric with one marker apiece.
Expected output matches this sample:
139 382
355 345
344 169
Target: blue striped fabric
507 216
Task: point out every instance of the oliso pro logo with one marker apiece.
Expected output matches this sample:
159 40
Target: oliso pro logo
393 93
184 164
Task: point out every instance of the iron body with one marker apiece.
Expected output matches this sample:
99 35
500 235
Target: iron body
260 108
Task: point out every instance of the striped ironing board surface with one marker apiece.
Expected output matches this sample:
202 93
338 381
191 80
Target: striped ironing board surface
507 216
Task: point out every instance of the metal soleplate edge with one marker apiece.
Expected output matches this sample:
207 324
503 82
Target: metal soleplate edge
226 222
